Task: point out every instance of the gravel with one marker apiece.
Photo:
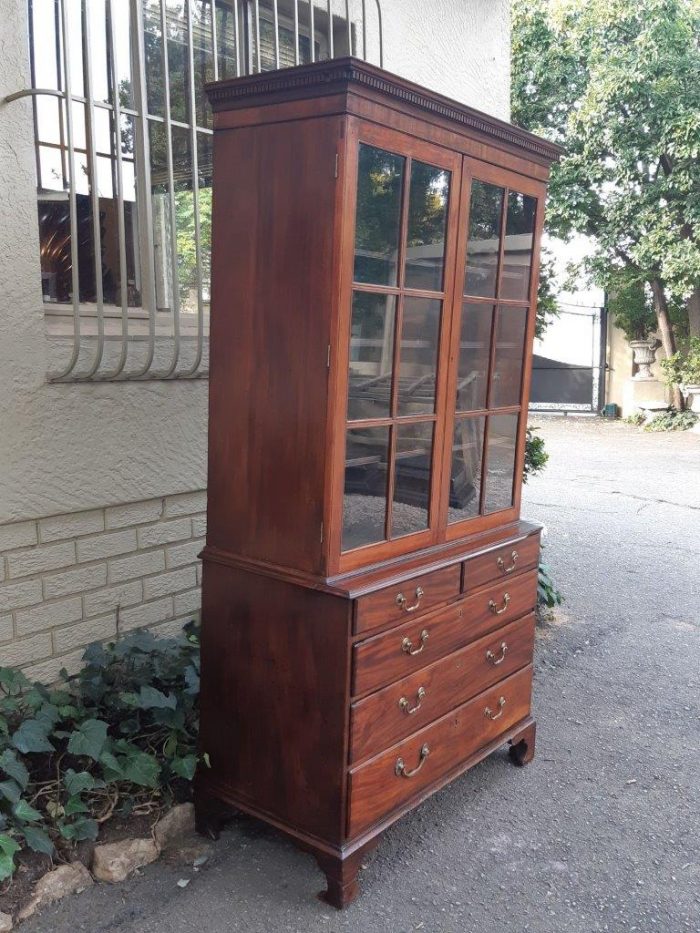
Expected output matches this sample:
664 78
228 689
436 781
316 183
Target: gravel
601 831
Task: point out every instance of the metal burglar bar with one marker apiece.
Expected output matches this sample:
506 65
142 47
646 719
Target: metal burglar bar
123 142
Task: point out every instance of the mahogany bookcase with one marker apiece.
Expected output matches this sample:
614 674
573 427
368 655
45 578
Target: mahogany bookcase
369 588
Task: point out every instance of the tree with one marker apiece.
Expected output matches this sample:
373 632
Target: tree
617 83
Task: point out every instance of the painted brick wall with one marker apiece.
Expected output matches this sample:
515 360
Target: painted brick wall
68 580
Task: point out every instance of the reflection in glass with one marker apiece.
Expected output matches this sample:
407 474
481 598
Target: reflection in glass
465 475
420 330
517 256
410 508
484 232
379 183
371 356
474 356
364 500
508 364
500 471
427 218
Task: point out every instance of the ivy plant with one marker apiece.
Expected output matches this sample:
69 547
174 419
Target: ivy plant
121 736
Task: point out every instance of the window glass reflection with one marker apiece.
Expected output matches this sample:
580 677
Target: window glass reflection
371 356
500 471
465 471
474 356
420 331
508 363
378 215
365 495
517 256
427 219
412 468
485 211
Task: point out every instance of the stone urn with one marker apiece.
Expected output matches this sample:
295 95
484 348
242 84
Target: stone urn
644 355
692 395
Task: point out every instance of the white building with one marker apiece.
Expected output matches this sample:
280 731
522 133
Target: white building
103 390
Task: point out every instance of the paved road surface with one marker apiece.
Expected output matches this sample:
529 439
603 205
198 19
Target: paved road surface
602 831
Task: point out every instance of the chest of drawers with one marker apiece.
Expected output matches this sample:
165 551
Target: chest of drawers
369 587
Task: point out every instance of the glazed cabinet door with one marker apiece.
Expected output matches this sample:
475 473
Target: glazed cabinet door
493 329
403 242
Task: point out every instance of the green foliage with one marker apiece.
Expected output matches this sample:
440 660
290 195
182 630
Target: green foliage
683 368
672 421
548 596
617 82
637 419
119 737
547 304
631 307
536 456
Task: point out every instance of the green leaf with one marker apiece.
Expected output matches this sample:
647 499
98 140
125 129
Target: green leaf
8 846
79 829
38 840
89 739
25 812
11 791
14 768
32 736
142 769
185 767
55 809
150 698
76 805
112 768
77 782
13 681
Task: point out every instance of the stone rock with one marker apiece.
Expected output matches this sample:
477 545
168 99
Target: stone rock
115 861
5 923
176 824
64 880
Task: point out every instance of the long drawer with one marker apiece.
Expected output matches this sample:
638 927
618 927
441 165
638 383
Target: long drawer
501 562
386 657
393 778
388 715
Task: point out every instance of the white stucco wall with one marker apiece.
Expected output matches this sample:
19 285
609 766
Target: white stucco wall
65 448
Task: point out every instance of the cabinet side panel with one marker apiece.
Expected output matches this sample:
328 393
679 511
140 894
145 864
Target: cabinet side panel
274 697
271 306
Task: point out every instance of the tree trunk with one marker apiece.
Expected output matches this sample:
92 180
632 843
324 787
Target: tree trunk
668 341
694 312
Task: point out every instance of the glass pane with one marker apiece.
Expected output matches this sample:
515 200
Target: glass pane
465 474
503 430
418 362
517 256
414 450
364 501
474 356
508 365
378 216
371 356
427 219
484 233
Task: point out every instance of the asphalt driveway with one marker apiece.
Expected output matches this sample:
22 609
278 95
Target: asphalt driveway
602 830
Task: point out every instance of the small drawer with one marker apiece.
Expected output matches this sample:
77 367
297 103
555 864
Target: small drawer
414 596
388 715
501 563
400 774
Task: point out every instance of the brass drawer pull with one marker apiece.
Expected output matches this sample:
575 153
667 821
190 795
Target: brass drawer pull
405 704
494 608
502 564
491 657
407 644
489 713
400 766
401 600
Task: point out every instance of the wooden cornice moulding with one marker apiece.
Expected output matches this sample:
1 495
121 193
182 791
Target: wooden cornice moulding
343 75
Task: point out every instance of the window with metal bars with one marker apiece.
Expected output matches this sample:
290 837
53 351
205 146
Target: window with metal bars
123 137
